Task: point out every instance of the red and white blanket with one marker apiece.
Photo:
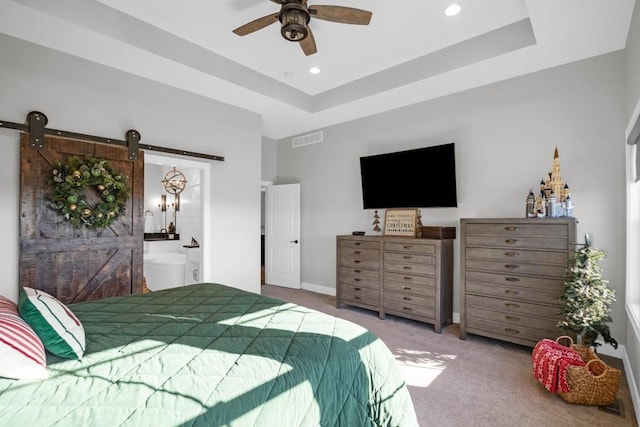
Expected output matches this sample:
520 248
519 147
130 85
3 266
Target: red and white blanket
550 363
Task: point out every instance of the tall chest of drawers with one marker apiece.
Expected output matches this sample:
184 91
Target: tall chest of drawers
511 277
402 276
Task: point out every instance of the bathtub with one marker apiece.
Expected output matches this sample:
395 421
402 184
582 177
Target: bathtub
164 270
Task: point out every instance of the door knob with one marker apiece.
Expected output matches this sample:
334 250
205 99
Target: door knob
294 241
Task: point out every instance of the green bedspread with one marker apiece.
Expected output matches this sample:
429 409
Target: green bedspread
208 354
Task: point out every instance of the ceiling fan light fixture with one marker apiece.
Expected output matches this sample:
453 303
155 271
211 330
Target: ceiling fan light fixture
294 19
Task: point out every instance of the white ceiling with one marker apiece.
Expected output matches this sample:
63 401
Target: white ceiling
410 52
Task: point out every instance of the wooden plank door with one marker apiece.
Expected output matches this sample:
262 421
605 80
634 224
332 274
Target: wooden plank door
76 263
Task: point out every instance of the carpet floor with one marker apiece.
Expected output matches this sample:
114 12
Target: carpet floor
472 382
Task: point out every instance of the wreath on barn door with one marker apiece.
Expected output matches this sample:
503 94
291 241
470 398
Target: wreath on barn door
88 192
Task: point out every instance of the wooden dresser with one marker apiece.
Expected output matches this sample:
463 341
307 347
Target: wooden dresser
511 277
402 276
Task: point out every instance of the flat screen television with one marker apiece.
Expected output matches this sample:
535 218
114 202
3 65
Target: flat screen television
420 178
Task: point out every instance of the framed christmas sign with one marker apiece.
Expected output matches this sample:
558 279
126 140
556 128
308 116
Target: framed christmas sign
400 222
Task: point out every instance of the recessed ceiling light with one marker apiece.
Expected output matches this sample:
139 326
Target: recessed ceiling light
453 10
314 70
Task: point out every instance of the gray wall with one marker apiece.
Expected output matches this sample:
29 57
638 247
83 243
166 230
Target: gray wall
80 96
269 159
505 135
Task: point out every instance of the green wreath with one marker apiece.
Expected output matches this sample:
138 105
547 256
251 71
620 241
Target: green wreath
69 197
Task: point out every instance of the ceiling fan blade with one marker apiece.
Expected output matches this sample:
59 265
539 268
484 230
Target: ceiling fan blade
308 44
278 1
256 25
344 15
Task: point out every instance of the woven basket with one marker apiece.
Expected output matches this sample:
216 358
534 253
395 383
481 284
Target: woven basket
593 384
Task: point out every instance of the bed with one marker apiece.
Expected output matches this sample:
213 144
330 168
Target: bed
208 354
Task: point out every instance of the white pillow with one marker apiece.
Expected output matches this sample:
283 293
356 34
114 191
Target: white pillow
22 354
59 329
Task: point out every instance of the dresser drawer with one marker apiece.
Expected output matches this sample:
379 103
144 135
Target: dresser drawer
515 229
537 283
410 289
521 294
412 247
410 268
360 295
359 244
407 309
518 242
512 306
516 268
366 282
359 272
516 255
409 279
409 258
405 298
521 332
513 319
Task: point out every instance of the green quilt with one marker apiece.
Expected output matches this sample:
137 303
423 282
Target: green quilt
211 355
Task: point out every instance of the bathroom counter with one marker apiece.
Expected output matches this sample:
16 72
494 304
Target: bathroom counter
153 237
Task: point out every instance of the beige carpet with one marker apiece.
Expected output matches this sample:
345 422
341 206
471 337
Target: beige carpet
472 382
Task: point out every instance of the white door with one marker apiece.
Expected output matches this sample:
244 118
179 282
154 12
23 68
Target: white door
282 235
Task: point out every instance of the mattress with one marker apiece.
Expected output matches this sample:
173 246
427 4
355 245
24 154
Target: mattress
209 354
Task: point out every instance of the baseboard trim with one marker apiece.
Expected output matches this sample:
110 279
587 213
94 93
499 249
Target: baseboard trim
319 289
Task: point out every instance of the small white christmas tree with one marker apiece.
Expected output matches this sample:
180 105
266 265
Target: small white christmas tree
587 297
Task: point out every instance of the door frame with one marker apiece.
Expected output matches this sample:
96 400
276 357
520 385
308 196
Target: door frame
205 167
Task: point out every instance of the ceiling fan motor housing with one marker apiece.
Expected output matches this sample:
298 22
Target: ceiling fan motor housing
294 18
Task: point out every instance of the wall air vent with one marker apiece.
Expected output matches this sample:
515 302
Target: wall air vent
312 138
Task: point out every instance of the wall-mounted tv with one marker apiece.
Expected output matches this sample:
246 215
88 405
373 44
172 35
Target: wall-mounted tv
420 178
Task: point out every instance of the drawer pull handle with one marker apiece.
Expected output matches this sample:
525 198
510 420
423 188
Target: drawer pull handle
511 331
407 288
512 318
510 292
407 298
356 298
357 261
511 241
356 279
511 279
408 247
511 305
514 254
358 252
358 243
407 267
511 266
407 257
406 278
512 228
358 289
357 271
407 308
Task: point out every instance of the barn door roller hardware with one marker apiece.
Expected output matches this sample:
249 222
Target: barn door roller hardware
36 123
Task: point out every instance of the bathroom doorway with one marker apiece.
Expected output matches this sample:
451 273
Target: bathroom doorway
177 228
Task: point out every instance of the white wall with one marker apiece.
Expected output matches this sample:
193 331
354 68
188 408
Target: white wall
505 135
83 97
632 86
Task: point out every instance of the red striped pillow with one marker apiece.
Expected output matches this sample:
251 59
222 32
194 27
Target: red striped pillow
22 354
59 329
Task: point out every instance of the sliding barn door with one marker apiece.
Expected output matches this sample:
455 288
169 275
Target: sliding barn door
75 263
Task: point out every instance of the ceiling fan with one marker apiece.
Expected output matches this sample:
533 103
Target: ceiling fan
294 16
